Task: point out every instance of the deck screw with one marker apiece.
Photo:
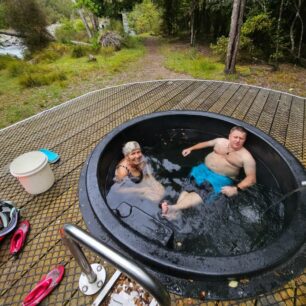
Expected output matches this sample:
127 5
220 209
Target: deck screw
99 268
100 284
84 288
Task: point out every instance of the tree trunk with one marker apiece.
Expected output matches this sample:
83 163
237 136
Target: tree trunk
94 21
301 38
80 11
12 34
292 40
234 36
192 22
278 33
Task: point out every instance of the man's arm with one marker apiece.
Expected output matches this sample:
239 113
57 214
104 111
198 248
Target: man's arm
249 166
199 146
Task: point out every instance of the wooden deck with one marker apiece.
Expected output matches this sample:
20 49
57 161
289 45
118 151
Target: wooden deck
74 129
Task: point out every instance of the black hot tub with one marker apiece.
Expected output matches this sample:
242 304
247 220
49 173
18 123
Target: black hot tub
258 271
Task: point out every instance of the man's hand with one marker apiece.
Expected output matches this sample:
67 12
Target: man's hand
229 190
186 152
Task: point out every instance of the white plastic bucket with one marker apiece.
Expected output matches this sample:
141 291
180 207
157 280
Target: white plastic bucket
33 172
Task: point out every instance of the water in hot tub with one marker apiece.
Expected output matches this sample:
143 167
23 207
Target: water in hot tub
223 226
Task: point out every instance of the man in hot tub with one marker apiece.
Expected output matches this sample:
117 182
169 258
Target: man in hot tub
218 173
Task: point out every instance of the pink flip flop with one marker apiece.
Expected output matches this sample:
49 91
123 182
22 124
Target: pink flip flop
44 287
19 237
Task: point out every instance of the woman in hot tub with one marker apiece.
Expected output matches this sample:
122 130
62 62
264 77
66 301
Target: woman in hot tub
134 174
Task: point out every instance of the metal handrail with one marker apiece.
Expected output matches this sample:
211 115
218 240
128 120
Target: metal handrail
130 268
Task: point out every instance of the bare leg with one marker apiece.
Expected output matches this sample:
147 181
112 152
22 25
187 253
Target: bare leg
190 199
185 200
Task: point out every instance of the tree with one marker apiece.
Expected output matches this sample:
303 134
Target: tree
145 18
234 36
26 18
292 34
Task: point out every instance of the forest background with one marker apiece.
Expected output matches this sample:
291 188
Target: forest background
256 42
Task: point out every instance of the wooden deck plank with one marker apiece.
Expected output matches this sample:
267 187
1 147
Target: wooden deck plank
296 128
230 106
256 107
245 104
281 119
205 94
213 97
224 98
266 117
197 92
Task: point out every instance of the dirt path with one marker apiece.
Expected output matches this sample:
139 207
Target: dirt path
148 68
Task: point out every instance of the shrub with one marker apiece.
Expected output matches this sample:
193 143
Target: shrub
95 44
258 33
39 79
131 42
107 51
17 68
145 18
111 39
220 48
115 26
65 32
5 61
79 51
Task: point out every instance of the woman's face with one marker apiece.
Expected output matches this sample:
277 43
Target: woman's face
135 157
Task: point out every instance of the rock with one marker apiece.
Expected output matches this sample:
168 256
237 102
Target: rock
91 58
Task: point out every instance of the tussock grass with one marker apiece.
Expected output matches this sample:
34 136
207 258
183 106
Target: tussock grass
41 82
193 63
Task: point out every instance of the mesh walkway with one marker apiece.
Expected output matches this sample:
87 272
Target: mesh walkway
74 129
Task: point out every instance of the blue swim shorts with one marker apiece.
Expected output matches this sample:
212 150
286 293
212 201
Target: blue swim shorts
201 174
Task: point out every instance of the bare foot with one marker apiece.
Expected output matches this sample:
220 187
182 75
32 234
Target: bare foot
164 207
168 211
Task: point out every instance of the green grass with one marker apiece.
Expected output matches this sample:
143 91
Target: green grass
199 66
27 88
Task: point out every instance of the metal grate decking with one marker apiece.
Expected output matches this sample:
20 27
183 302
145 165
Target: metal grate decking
73 129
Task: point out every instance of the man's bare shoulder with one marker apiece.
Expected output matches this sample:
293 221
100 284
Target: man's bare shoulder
246 155
220 141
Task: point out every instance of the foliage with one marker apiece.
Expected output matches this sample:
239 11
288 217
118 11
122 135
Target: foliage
259 30
145 18
106 7
95 44
107 51
91 5
111 39
131 41
26 17
5 60
220 48
3 23
256 40
115 25
53 52
18 102
17 68
40 79
79 51
65 33
70 30
56 10
195 64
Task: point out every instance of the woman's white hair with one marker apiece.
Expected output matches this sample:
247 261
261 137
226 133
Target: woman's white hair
129 147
